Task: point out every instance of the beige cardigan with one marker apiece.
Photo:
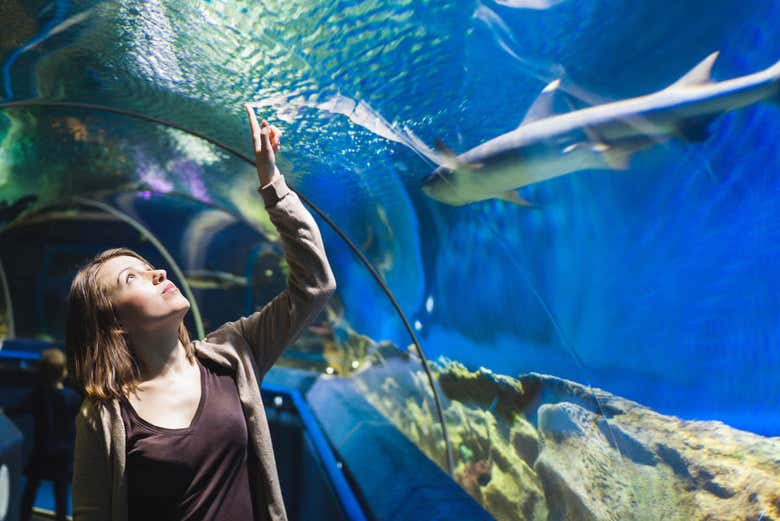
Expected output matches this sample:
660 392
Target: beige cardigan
248 346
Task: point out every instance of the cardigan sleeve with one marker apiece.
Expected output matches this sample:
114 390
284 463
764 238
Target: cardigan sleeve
91 487
310 284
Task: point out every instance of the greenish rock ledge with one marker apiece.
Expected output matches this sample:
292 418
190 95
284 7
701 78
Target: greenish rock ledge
538 447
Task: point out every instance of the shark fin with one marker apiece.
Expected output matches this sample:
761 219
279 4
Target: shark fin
699 75
543 106
618 155
597 143
615 158
446 156
450 159
513 197
444 149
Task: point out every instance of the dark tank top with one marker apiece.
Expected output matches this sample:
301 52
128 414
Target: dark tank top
193 473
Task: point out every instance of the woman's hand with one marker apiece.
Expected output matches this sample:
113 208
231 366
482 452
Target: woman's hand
266 140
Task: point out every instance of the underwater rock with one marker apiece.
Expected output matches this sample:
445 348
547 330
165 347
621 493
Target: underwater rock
644 465
483 388
625 443
543 448
525 441
490 470
584 477
541 388
506 501
599 456
487 463
564 421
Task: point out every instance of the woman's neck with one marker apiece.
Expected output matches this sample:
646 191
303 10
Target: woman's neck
161 355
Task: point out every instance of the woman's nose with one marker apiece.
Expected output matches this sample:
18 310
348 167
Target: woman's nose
159 276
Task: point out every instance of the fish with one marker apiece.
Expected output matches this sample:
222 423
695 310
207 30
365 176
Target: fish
547 145
206 279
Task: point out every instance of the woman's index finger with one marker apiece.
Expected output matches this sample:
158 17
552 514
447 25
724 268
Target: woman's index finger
255 128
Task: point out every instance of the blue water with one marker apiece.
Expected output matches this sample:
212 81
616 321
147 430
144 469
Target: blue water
658 283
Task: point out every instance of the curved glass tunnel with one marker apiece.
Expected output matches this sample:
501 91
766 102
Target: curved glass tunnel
610 353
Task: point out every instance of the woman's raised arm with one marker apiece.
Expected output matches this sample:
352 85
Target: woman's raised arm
311 281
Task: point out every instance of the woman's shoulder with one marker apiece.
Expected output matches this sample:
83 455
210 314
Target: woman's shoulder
90 408
219 346
225 348
212 366
93 413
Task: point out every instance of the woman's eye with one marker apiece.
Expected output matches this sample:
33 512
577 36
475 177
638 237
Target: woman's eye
130 275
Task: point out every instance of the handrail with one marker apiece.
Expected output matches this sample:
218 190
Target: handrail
332 467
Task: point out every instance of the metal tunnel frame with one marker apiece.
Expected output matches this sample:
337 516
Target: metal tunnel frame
323 216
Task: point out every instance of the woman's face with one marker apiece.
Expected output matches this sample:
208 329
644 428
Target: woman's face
144 298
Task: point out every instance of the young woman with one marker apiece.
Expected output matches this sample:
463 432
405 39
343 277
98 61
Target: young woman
172 429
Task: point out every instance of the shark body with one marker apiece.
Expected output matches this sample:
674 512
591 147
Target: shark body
546 145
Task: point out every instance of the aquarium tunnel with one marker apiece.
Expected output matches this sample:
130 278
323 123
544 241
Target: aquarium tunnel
553 226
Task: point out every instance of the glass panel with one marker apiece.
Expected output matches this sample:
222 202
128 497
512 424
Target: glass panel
608 354
52 153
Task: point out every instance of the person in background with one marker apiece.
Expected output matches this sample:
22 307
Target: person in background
54 408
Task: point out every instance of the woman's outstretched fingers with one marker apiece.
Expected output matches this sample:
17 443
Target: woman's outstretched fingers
276 137
255 128
265 143
275 134
265 136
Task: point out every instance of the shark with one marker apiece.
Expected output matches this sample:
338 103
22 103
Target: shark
547 144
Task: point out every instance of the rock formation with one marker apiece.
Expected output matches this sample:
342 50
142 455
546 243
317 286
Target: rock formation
538 447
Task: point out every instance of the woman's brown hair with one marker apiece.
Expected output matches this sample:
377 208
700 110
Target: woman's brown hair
101 361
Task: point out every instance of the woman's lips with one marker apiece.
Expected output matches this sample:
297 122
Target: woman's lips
170 287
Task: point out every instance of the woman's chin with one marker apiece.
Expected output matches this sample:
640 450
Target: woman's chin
183 306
